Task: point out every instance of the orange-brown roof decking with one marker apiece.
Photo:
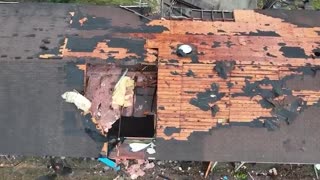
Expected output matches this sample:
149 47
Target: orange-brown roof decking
261 36
177 88
263 49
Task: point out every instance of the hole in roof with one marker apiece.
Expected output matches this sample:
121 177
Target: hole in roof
317 53
144 104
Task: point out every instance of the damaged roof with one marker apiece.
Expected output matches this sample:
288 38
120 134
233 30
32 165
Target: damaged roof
34 118
248 91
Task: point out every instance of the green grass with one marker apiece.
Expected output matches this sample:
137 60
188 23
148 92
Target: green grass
241 175
316 4
260 4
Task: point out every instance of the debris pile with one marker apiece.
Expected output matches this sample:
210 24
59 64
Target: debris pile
138 168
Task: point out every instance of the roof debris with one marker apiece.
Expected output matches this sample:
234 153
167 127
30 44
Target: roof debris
205 99
79 100
83 20
223 68
137 169
109 163
151 150
135 147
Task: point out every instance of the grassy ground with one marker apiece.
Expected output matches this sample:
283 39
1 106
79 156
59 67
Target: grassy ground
30 168
316 4
154 4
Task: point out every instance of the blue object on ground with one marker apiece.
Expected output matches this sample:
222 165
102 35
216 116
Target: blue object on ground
109 163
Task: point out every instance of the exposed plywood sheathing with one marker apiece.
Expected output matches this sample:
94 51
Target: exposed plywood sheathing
101 51
252 33
176 89
259 52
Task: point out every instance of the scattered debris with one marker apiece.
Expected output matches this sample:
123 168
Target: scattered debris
82 21
210 168
190 73
214 110
164 177
137 170
79 100
250 176
109 163
223 68
151 151
273 172
201 173
205 99
316 171
239 166
60 167
135 147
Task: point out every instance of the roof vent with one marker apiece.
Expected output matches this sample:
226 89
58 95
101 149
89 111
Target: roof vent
183 50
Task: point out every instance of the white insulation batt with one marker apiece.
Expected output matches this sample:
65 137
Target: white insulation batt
78 99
